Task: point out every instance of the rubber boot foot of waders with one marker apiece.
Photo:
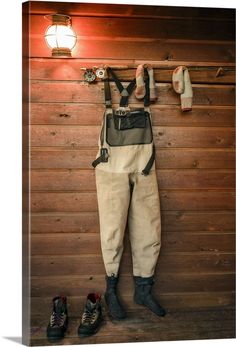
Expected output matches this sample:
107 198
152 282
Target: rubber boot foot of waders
143 296
115 308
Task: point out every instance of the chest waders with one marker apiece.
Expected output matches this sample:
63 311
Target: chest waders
127 189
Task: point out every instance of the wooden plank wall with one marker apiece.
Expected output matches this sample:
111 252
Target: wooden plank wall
194 152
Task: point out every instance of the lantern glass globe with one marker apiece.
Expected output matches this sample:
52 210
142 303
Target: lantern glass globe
60 36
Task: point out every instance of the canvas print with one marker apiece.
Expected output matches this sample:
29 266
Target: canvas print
128 173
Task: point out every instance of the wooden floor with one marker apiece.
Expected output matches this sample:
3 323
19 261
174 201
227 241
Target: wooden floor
142 326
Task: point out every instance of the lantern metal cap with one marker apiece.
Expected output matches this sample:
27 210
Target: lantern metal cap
61 52
57 18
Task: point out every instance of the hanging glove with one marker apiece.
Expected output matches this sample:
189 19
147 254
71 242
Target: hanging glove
140 90
182 85
152 85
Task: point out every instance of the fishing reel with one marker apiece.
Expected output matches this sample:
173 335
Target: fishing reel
100 73
91 74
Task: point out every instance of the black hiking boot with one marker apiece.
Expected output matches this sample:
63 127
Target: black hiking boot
92 316
58 320
143 296
115 308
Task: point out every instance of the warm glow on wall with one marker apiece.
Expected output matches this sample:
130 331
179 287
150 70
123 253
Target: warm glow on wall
60 36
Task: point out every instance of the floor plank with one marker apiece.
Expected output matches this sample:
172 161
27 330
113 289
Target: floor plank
145 326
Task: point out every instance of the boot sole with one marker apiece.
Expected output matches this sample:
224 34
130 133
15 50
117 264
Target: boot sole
53 339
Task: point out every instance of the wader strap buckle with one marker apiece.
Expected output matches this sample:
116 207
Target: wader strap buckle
121 111
124 92
148 167
103 158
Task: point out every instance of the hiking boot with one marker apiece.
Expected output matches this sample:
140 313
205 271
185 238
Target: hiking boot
58 320
143 296
92 316
115 308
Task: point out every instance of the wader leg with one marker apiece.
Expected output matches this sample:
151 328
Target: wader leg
113 192
144 224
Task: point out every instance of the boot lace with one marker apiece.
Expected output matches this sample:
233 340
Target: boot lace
57 319
89 317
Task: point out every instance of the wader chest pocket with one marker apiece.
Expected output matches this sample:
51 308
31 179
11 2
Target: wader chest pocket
130 129
135 119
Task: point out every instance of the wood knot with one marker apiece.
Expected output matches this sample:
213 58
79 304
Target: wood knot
65 115
179 215
219 140
209 100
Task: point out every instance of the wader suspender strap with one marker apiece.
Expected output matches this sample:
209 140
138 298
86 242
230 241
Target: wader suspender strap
148 167
103 158
107 92
147 88
150 162
124 92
